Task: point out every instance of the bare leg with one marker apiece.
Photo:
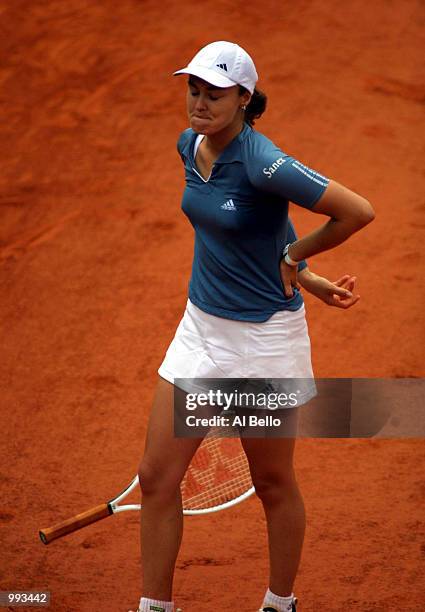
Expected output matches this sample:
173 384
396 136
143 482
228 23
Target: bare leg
164 464
274 480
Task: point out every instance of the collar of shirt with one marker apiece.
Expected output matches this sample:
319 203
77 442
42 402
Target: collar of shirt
231 153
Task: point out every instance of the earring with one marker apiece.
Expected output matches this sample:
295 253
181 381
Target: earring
243 107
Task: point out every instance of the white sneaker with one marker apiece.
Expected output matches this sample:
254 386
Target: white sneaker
270 608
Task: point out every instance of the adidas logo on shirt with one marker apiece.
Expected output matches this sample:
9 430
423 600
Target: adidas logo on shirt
229 205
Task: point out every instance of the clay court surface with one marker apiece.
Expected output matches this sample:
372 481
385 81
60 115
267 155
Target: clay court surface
95 260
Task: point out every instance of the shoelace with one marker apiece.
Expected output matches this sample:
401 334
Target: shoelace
293 608
177 610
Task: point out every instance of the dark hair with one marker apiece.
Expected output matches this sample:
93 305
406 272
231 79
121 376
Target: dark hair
256 107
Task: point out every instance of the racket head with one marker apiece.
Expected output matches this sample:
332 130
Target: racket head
218 476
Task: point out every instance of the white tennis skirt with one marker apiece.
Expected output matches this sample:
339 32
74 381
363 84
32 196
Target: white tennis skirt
206 346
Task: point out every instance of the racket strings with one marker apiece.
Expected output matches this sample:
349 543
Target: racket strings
218 473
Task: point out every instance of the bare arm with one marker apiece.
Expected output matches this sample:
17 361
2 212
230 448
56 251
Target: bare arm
348 213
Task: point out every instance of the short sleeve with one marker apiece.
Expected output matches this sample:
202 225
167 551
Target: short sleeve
271 170
179 146
292 237
183 143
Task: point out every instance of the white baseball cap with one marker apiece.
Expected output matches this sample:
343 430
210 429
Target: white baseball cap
223 64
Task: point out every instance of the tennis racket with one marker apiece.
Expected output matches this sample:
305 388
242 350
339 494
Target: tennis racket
218 477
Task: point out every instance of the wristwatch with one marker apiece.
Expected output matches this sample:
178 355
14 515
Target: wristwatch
288 260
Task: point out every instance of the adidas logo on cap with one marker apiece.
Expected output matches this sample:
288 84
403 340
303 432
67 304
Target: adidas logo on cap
222 66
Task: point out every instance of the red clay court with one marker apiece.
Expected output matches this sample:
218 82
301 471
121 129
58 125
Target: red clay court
95 260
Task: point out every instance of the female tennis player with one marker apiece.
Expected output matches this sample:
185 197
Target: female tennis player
245 316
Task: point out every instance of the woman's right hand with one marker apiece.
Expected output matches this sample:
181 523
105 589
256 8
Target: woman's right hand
289 278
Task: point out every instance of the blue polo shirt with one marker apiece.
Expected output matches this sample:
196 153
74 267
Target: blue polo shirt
240 218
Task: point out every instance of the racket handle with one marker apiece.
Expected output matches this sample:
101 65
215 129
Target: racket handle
76 522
